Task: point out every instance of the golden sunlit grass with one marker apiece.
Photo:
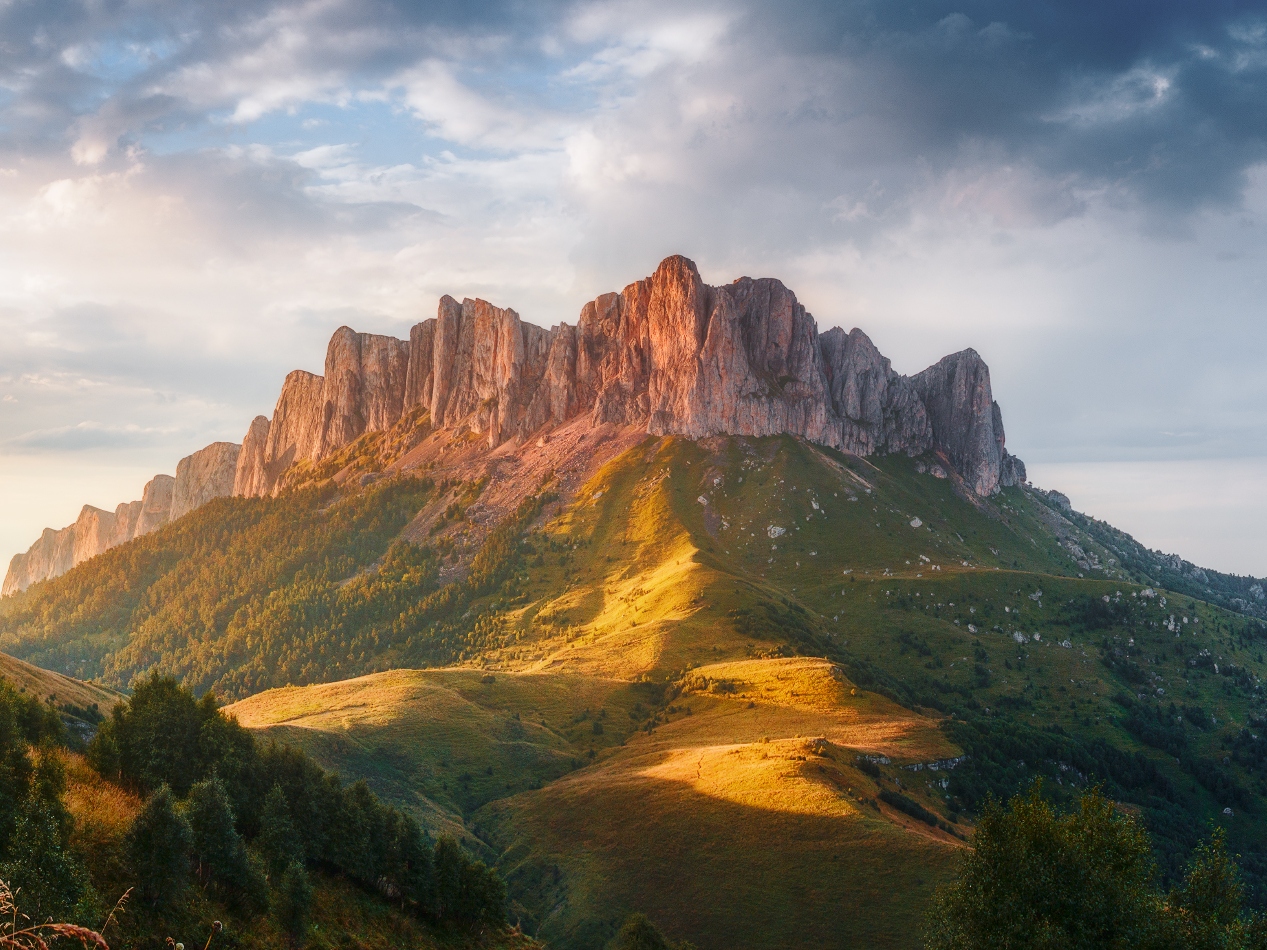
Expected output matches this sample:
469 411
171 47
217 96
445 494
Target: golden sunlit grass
441 742
750 805
763 844
64 690
103 813
807 696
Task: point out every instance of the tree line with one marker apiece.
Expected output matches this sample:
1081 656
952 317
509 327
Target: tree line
1085 879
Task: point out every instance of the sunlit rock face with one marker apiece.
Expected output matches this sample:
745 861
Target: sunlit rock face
206 474
669 353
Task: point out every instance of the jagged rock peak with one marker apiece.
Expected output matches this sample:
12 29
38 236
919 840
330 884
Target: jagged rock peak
670 353
206 474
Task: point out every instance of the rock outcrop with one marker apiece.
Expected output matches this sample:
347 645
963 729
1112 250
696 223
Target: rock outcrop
249 477
206 474
156 505
670 353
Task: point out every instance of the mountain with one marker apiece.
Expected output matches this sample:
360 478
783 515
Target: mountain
206 474
669 354
755 684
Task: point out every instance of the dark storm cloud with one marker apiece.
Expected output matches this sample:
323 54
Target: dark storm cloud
1164 103
1164 100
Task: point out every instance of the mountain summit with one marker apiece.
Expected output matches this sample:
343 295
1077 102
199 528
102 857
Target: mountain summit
669 355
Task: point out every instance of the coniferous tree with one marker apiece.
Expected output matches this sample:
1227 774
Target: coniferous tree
447 863
45 876
158 848
294 900
278 841
216 844
407 860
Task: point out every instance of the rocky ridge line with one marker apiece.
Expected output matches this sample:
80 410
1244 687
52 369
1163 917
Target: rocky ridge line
670 353
200 477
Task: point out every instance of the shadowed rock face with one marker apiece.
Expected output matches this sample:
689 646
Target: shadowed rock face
670 353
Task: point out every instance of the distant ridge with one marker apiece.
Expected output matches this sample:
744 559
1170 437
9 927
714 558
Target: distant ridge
670 355
206 474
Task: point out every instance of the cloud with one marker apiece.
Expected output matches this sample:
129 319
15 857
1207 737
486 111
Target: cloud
87 435
192 195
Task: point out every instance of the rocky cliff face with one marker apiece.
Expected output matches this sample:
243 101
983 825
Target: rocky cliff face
670 353
206 474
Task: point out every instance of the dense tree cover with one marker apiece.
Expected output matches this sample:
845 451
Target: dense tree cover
218 598
1085 880
247 594
168 745
245 823
219 850
159 845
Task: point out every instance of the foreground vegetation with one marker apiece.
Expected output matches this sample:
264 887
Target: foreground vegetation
180 808
1086 880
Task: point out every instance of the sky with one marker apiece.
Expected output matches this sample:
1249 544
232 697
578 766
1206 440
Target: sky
193 196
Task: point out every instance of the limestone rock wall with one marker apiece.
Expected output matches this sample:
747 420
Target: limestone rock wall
248 477
669 352
156 505
207 474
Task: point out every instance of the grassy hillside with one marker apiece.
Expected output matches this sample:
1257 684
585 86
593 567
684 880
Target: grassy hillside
754 688
441 743
62 691
746 752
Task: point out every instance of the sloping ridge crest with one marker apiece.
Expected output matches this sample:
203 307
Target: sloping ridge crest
669 352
